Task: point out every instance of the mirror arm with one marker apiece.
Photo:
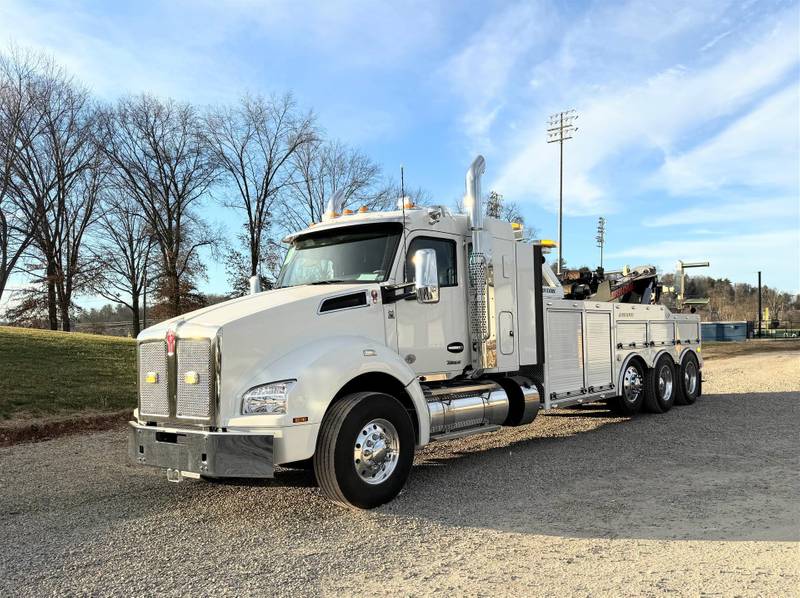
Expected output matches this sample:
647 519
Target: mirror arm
391 293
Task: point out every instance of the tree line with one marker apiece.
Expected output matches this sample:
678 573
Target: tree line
736 301
107 198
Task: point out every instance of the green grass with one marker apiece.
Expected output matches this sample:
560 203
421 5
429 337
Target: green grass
46 373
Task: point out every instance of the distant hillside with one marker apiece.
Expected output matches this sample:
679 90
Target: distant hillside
52 373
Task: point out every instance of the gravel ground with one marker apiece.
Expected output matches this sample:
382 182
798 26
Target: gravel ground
703 499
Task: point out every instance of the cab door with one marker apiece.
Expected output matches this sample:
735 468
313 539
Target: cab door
432 337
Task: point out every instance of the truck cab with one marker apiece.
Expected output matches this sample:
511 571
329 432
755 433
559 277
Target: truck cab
385 330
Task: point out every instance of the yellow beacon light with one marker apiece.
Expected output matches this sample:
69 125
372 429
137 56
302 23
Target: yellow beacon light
191 377
151 377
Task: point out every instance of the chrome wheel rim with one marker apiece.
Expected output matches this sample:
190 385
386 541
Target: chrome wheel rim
631 384
665 383
690 378
376 451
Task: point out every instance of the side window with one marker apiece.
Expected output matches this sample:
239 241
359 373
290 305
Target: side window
445 259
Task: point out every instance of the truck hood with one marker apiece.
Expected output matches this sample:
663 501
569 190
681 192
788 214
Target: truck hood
207 321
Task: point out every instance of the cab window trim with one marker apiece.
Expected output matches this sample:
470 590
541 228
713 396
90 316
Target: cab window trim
451 242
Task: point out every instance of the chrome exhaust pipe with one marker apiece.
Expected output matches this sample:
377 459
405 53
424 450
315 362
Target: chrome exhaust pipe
473 202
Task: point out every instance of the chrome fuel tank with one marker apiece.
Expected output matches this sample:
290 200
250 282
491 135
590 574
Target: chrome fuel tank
454 409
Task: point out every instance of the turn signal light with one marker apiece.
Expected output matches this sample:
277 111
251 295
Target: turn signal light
151 377
191 377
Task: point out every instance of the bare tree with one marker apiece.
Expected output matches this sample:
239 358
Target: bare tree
160 158
254 143
320 170
17 102
496 206
56 182
122 252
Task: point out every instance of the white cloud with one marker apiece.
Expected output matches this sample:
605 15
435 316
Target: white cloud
759 150
480 71
776 254
658 114
743 212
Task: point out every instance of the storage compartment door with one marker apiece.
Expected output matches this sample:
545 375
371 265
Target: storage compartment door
598 350
565 352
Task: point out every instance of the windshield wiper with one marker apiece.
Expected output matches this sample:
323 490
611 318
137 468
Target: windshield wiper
331 281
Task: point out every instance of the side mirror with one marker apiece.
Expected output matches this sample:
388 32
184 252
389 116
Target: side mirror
426 276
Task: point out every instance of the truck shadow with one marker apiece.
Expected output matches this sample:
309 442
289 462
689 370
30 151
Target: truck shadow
722 469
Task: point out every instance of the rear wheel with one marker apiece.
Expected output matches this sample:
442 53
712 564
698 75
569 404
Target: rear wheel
629 401
689 382
659 396
365 450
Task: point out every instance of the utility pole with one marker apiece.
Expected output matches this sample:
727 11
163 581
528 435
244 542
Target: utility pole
759 304
560 128
601 237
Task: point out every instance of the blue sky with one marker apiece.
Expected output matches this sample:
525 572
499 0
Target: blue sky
689 111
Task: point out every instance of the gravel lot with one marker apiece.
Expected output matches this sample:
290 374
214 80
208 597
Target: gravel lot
703 499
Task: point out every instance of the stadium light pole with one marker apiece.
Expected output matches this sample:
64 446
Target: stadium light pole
560 128
601 237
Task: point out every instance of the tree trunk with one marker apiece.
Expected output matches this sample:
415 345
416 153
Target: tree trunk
253 259
66 322
135 320
52 306
176 293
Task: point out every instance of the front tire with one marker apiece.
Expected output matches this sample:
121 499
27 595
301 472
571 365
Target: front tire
365 450
660 386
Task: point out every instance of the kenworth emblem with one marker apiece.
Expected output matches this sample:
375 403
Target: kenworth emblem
170 342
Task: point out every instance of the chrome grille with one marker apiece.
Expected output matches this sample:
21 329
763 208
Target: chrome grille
153 397
194 400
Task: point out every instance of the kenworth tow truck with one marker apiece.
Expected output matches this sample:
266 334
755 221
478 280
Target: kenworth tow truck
389 330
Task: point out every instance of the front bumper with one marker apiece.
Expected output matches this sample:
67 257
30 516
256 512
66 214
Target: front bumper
212 454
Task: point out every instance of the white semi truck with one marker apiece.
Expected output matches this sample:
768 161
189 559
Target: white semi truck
386 331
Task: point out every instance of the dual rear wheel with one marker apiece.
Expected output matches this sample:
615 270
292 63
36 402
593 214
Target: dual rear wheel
658 388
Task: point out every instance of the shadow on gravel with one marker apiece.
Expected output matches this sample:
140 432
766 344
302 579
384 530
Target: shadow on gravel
722 469
283 478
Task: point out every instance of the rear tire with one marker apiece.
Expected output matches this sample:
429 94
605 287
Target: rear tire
660 386
629 401
689 381
365 450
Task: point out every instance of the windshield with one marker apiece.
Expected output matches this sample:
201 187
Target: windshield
348 255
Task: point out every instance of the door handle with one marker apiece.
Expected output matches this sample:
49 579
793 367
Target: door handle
455 347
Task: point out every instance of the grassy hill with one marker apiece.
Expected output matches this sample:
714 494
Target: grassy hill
46 373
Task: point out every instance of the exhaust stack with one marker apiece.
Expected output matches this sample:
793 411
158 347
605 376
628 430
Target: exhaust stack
335 205
480 292
473 202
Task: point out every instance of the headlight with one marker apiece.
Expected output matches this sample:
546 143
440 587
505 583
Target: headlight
267 398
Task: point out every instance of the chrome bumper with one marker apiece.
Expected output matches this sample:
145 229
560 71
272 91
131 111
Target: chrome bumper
213 454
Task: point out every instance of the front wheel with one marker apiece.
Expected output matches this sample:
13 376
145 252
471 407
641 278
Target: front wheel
365 450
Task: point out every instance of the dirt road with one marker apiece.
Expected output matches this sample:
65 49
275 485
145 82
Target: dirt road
703 499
